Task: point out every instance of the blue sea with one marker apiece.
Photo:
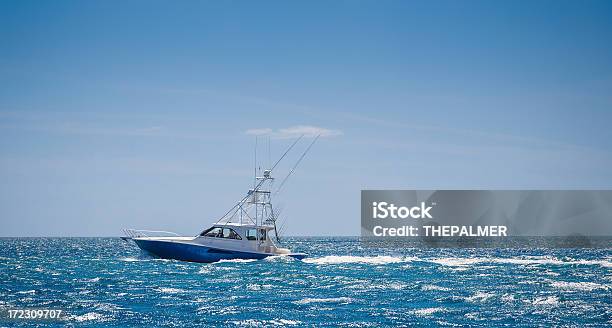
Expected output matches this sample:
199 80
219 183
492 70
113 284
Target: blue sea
107 282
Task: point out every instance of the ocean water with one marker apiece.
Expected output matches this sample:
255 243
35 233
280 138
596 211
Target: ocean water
107 282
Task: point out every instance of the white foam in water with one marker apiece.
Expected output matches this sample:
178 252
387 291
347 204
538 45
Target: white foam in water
434 287
87 317
279 258
545 301
535 260
168 290
603 263
333 259
265 323
258 287
428 311
236 261
453 261
587 286
283 322
129 259
479 297
342 300
204 270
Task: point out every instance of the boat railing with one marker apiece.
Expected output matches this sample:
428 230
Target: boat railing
134 233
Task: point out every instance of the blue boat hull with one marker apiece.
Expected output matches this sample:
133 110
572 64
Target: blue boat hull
197 253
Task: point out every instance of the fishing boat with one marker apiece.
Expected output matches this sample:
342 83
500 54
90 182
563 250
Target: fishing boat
247 231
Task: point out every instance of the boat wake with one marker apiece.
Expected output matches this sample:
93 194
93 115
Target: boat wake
456 261
332 259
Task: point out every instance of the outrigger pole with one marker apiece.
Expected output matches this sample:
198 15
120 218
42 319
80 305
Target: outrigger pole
287 177
296 164
258 185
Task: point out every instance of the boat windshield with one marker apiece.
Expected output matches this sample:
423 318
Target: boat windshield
219 232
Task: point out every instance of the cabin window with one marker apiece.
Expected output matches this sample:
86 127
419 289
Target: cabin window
212 232
218 232
231 234
251 234
262 234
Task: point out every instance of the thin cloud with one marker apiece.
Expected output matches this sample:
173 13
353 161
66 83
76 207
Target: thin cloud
307 131
259 132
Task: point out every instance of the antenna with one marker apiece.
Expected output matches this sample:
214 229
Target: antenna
297 163
255 180
255 166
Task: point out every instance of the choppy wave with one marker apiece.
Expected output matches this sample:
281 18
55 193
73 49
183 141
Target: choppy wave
479 297
435 287
586 286
454 261
265 323
545 301
343 259
168 290
518 261
342 300
428 311
89 316
342 283
96 279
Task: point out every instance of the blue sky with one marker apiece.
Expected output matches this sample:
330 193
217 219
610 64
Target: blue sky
135 114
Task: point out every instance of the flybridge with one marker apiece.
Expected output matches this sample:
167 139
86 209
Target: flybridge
383 210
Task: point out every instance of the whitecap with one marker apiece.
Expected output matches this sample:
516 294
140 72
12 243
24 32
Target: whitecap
333 259
533 260
168 290
204 270
96 279
88 317
545 301
129 259
27 292
284 322
603 263
479 297
258 286
471 315
434 287
428 311
342 300
587 286
454 261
